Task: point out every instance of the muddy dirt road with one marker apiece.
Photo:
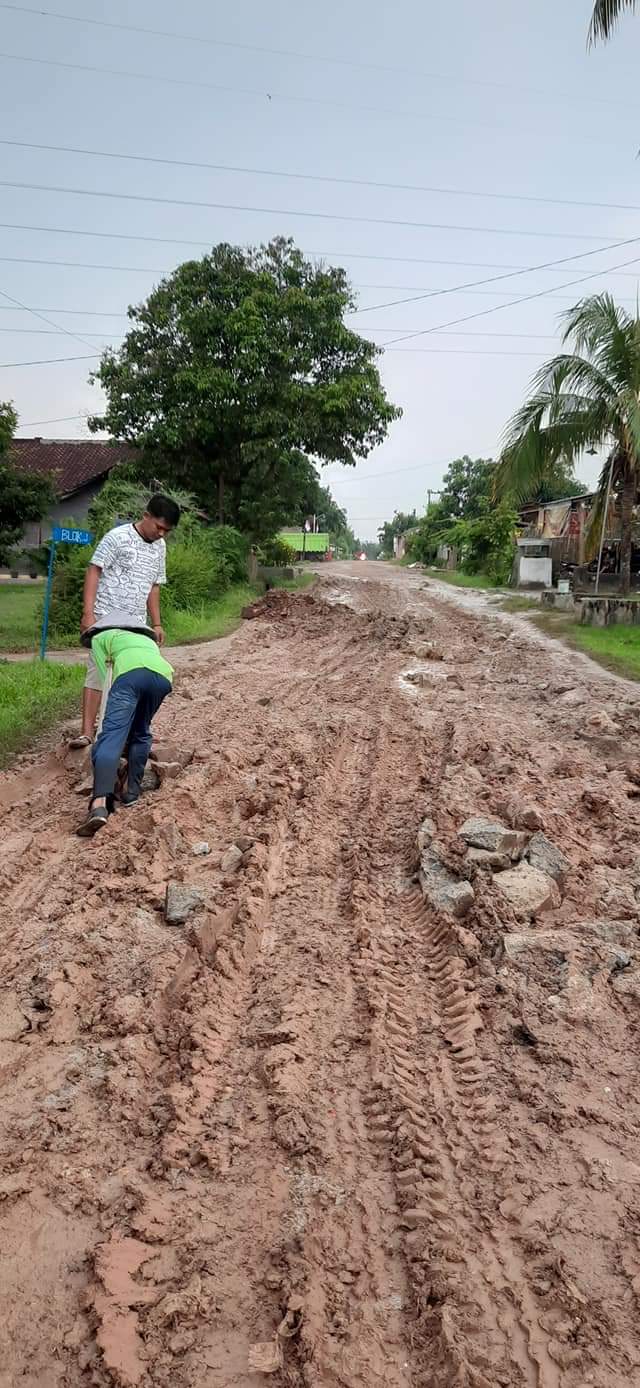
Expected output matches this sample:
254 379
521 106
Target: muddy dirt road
321 1133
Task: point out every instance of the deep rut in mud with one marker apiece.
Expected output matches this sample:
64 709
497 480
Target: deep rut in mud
321 1134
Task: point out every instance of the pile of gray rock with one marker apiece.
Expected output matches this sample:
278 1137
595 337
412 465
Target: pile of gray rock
527 868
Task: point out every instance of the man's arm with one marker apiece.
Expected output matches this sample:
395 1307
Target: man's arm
91 581
153 608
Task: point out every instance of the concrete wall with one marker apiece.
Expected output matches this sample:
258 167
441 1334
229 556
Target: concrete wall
533 573
75 508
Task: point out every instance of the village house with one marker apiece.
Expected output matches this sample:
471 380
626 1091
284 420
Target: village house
78 468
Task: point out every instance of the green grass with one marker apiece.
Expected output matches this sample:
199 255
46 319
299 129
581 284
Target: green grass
462 580
518 604
212 620
33 695
20 619
19 623
617 647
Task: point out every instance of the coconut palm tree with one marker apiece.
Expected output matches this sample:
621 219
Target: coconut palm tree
588 398
606 14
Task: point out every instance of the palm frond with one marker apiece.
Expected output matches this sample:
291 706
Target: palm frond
593 319
606 14
568 372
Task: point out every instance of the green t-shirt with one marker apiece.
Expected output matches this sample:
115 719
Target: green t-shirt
128 650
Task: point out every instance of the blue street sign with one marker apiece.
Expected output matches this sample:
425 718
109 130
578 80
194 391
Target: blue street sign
61 534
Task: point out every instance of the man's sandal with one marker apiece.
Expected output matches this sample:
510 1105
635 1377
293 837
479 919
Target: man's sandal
96 818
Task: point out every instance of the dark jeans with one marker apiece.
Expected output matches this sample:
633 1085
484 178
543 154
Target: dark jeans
133 700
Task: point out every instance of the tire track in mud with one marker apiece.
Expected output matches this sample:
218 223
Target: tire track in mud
339 1256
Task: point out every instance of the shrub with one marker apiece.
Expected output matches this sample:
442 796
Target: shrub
124 500
277 552
201 565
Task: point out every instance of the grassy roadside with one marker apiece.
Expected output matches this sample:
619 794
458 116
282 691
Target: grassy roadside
20 616
34 695
617 647
461 580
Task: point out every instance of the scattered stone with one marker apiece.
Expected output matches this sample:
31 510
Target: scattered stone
596 802
543 855
441 888
167 770
572 698
527 816
528 890
482 857
200 849
172 752
600 722
13 1022
430 652
479 832
426 834
180 901
232 859
455 680
150 780
264 702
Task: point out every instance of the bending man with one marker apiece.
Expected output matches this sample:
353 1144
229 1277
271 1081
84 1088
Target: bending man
125 574
142 678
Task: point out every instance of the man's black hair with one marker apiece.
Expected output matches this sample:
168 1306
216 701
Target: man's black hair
163 508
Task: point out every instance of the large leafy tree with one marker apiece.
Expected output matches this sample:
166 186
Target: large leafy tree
588 398
238 372
606 14
22 497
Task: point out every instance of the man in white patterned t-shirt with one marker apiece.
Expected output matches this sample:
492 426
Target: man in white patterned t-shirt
125 575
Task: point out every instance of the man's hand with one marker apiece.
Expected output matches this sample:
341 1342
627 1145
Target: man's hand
159 633
88 619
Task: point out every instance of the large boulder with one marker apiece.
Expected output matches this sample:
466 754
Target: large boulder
480 832
528 890
441 888
546 857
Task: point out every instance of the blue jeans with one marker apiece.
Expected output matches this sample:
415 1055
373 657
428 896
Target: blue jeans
133 700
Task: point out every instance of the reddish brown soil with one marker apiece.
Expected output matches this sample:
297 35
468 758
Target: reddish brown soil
319 1136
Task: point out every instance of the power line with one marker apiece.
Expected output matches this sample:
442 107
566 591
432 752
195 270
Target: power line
81 265
263 95
66 331
544 337
105 235
467 318
82 312
47 361
48 332
550 268
313 57
512 274
37 423
320 178
298 212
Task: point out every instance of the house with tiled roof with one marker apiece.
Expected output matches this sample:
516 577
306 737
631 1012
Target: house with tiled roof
78 468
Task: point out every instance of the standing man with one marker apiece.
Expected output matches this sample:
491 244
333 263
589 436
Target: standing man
125 574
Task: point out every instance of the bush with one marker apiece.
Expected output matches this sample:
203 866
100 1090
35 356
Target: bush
277 552
122 500
201 565
68 584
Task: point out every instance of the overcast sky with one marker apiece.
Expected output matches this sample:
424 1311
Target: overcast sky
497 98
